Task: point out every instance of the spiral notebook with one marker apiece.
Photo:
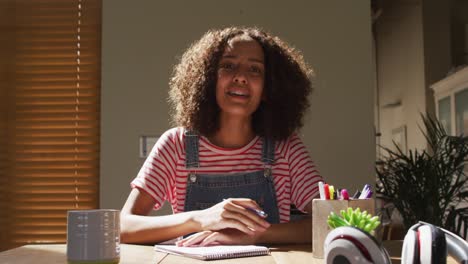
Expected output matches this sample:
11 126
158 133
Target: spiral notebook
214 252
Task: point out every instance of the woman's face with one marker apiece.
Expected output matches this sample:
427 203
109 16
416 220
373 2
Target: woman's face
241 75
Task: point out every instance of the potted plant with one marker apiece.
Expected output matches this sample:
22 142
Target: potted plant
428 185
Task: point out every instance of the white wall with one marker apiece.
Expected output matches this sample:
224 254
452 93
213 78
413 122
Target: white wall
400 56
141 40
413 52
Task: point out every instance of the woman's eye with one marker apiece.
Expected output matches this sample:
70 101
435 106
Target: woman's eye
255 69
227 66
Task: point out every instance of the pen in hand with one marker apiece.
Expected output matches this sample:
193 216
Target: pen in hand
258 212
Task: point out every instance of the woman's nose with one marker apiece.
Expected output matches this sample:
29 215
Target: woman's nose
240 78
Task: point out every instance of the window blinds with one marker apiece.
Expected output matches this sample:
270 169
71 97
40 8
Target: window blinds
49 122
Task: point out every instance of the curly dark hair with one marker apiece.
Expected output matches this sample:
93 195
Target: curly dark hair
286 88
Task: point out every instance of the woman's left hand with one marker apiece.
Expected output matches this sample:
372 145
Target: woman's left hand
227 236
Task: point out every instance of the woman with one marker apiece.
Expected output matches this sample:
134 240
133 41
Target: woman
239 95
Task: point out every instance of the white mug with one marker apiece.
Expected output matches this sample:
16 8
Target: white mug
93 236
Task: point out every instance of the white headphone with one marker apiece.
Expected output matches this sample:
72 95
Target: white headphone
435 243
349 245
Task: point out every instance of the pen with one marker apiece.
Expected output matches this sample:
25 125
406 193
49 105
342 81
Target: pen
258 212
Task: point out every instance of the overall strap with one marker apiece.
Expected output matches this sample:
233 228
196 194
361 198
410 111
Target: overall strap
268 151
191 149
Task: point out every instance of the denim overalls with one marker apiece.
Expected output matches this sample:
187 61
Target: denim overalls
204 191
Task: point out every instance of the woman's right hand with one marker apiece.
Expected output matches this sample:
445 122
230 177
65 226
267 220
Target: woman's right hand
232 213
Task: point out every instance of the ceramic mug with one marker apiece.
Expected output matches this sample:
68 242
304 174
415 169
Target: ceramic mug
93 236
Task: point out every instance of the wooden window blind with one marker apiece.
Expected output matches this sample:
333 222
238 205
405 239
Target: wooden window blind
49 121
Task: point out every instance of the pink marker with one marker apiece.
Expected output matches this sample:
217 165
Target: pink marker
344 194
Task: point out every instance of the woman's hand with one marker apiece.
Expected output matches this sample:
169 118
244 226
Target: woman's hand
212 238
232 213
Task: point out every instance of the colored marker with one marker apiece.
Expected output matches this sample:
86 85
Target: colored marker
331 189
357 194
369 195
365 191
327 191
338 194
344 194
321 190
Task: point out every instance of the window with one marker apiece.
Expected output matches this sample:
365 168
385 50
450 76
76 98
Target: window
461 112
444 114
451 101
49 116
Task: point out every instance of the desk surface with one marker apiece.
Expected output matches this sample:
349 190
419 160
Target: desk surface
135 254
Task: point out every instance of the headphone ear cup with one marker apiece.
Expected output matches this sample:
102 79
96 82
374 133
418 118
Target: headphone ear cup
410 251
342 251
352 245
439 246
425 240
433 244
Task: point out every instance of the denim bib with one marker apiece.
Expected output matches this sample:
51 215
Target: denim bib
204 190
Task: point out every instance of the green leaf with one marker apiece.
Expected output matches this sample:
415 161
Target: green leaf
428 185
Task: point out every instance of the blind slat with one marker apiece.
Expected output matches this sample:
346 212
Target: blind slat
82 172
82 183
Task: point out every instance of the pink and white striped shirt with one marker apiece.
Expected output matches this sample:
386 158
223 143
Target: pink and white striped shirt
164 176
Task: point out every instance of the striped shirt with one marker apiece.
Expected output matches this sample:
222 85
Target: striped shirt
164 176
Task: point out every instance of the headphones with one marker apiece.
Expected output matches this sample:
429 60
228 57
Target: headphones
424 243
349 245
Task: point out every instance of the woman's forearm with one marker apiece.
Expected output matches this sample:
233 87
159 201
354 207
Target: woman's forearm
137 227
296 232
152 229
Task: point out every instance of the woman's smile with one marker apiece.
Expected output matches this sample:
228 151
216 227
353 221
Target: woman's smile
237 92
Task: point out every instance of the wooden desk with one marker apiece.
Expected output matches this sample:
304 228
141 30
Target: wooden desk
135 254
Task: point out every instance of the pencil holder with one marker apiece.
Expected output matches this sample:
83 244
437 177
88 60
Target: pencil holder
320 211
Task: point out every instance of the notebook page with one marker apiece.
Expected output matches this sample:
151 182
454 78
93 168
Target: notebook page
214 252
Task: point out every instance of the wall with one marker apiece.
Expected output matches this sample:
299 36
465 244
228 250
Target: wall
459 38
413 51
400 64
437 45
141 41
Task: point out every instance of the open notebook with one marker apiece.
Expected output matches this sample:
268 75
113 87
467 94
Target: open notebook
214 252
